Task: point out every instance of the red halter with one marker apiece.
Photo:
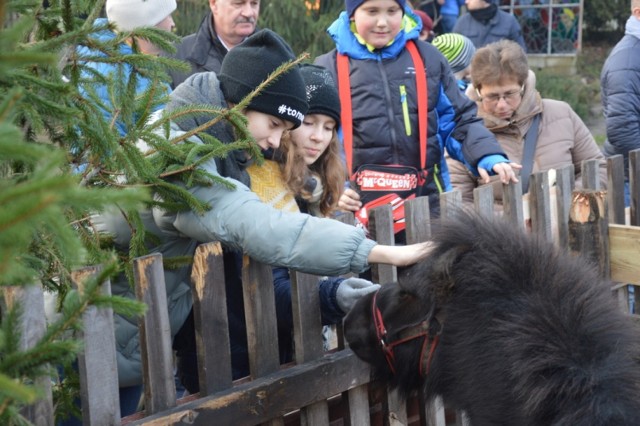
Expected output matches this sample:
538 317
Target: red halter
408 333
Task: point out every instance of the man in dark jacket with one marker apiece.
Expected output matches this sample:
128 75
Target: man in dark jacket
227 24
620 93
485 23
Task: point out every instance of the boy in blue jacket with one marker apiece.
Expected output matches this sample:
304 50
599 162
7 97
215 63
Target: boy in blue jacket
374 36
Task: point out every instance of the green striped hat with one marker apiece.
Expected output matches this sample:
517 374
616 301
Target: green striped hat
458 50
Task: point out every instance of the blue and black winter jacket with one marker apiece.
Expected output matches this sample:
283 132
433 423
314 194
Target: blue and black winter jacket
385 112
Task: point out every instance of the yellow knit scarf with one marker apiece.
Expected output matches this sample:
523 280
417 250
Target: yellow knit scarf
267 182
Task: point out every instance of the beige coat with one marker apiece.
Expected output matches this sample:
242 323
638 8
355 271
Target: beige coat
562 139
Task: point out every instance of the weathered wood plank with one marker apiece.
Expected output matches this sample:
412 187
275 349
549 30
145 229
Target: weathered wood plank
211 320
450 203
359 405
512 203
308 337
381 230
483 200
591 174
260 314
615 189
270 396
155 334
29 300
97 361
564 187
307 320
540 207
624 248
588 228
418 219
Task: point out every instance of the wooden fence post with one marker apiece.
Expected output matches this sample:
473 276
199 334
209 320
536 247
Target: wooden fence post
512 203
615 189
381 230
588 228
260 314
539 205
564 186
308 337
211 320
97 364
591 174
155 334
483 200
32 326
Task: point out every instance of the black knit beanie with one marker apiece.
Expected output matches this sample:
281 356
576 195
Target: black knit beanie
248 64
322 94
352 5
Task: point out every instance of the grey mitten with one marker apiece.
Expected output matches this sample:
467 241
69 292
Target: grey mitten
352 289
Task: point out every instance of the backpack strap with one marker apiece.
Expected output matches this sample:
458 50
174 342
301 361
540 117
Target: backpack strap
346 110
421 85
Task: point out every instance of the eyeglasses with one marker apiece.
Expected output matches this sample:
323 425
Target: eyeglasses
494 98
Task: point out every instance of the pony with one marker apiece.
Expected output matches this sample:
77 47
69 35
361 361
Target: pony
505 326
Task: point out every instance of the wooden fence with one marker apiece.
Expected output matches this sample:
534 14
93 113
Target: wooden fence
319 388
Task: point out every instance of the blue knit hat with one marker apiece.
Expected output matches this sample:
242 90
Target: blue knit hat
352 5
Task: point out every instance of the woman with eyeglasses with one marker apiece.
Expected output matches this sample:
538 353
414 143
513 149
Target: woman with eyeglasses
504 89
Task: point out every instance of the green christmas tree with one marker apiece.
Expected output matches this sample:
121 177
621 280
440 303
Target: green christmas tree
64 156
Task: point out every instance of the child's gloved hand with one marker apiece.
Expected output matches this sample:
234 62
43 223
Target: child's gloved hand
352 289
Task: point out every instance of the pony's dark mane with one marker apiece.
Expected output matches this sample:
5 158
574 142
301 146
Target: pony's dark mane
527 326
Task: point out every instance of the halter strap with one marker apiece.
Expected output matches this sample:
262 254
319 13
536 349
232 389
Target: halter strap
407 334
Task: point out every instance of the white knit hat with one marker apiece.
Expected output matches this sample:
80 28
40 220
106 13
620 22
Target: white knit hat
128 15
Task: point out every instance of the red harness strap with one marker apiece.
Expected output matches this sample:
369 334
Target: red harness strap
346 113
422 328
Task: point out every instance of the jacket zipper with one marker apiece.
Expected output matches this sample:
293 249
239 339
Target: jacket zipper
387 95
405 109
436 172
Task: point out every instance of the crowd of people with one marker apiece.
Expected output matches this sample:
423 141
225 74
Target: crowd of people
460 120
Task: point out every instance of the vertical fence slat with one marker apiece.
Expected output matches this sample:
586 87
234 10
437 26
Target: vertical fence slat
591 174
211 321
588 233
32 326
434 413
306 317
450 202
155 334
260 314
615 189
564 188
418 220
539 204
97 361
512 202
357 397
483 200
381 230
634 186
308 337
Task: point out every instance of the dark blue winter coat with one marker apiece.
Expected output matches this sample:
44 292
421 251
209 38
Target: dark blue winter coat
385 113
620 94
